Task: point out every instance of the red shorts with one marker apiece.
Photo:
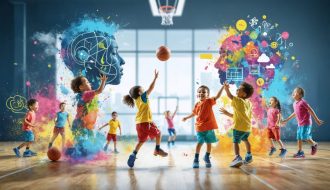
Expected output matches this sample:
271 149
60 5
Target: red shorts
58 130
274 133
112 136
145 130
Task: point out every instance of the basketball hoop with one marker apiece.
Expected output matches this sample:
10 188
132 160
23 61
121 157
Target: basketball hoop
167 12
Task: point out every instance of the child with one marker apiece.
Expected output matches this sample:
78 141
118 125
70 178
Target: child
273 122
242 120
205 123
83 124
114 124
144 126
60 120
28 124
171 130
303 112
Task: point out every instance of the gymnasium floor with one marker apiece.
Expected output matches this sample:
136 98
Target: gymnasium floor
173 172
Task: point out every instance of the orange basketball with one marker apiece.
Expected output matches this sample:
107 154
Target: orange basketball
163 53
54 154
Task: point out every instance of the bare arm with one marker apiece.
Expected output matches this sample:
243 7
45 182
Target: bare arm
289 118
29 123
225 112
279 117
176 109
317 120
69 121
119 129
226 86
219 93
188 117
103 78
103 126
152 85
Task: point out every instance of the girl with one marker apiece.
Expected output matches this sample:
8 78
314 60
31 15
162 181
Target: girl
171 130
205 123
83 124
273 123
144 126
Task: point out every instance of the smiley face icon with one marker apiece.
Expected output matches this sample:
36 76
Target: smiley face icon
241 25
274 45
260 82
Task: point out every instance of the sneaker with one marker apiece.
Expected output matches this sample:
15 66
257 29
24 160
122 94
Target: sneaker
272 150
196 164
237 162
300 154
160 152
105 148
168 144
17 153
116 151
33 153
27 153
248 159
283 152
131 160
314 149
207 161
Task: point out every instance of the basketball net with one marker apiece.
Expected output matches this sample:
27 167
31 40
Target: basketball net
167 12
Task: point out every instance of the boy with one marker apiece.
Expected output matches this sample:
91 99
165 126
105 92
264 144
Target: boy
242 120
60 120
28 124
112 134
303 112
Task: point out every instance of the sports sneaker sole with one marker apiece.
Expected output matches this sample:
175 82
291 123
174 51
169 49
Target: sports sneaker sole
237 164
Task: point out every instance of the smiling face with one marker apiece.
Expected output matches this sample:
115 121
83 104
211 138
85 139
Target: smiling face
272 103
296 94
85 85
240 92
202 93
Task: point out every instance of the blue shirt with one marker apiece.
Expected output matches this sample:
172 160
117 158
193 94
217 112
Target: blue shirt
62 117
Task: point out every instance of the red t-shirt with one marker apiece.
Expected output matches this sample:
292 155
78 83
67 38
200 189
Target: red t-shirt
272 116
31 118
302 114
170 122
205 119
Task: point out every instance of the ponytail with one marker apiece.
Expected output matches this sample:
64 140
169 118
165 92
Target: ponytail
128 100
133 94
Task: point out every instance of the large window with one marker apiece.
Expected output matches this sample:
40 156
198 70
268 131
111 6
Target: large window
179 77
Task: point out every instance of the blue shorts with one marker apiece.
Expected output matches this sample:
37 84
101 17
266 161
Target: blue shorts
171 131
28 136
207 137
239 136
304 132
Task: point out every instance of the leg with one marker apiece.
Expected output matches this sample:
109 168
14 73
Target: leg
158 138
272 143
138 146
310 141
208 147
236 149
281 144
248 146
198 148
197 151
22 145
299 145
63 140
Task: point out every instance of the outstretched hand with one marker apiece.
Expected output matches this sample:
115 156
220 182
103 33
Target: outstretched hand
319 122
156 73
103 77
223 111
226 84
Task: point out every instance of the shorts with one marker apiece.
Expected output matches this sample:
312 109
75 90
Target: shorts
58 130
28 136
111 137
147 130
274 133
239 136
304 132
171 131
207 137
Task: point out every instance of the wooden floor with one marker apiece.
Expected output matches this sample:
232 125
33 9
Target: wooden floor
173 172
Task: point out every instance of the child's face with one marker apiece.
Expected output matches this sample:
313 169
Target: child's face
272 103
240 92
34 107
296 95
167 113
85 86
62 107
141 90
114 116
202 93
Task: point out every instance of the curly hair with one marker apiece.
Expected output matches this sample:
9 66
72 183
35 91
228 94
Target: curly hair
248 89
75 83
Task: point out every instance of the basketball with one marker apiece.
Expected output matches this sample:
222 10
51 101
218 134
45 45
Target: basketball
54 154
163 53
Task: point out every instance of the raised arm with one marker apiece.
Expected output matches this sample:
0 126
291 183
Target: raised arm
188 117
289 118
176 110
226 86
219 93
152 85
103 78
317 120
225 112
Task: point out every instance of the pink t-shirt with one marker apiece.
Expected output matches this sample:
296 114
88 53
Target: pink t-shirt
272 116
31 118
170 122
301 110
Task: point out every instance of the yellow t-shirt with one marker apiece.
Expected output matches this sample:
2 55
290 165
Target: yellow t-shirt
242 114
144 113
114 124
